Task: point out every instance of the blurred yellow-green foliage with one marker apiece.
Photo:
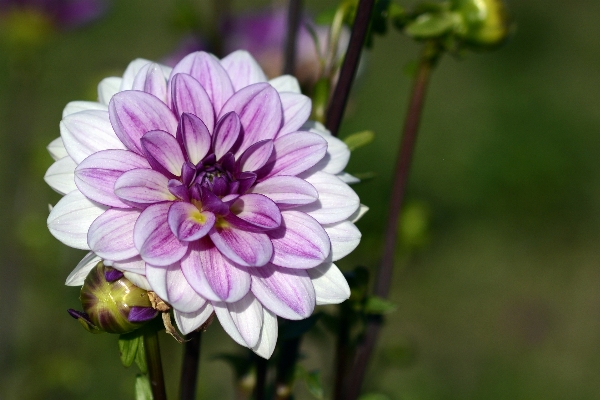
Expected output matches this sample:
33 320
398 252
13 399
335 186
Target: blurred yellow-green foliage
498 285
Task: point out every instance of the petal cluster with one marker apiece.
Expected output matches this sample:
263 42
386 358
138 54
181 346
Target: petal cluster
207 185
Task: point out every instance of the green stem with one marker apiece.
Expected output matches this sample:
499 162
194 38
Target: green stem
155 371
429 58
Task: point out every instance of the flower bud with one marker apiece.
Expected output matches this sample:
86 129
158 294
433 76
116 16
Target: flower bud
111 303
485 22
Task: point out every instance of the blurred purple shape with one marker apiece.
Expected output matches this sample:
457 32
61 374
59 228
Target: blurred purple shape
263 35
65 14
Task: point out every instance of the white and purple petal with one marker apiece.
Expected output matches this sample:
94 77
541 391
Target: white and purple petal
151 79
96 175
111 235
133 114
260 112
243 69
300 242
143 186
249 249
247 315
87 132
81 271
344 237
286 191
207 70
294 153
189 322
188 223
61 175
258 210
170 284
268 335
337 201
288 293
296 110
163 152
330 284
188 96
153 238
212 275
195 136
70 219
57 149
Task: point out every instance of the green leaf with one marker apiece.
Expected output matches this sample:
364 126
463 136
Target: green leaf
140 357
312 379
374 396
431 25
325 17
313 384
378 305
359 139
143 390
128 348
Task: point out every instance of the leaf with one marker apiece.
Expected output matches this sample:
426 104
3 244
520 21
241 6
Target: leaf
128 348
325 17
359 139
312 379
143 390
140 357
431 25
378 305
313 384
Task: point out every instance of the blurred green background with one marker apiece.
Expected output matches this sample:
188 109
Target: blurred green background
498 297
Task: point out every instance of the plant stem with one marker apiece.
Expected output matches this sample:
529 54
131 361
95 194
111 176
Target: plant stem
155 371
190 367
293 23
286 367
261 379
429 58
341 352
348 71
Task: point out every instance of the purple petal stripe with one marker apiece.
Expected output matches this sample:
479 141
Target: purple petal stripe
133 113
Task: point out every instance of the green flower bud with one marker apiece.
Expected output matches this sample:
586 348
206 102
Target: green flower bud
485 22
111 303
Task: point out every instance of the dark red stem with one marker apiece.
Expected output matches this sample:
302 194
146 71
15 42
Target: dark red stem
383 280
339 99
293 23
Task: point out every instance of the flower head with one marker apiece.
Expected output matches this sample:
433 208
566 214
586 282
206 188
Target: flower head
206 185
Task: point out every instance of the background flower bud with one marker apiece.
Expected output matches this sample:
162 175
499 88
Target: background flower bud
485 22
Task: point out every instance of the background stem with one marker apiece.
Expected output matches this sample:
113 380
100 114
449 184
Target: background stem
286 368
348 71
190 367
155 371
293 23
261 379
383 281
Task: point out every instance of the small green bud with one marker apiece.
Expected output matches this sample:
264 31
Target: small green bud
485 22
111 303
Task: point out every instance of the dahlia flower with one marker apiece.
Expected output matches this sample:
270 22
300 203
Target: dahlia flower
207 185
